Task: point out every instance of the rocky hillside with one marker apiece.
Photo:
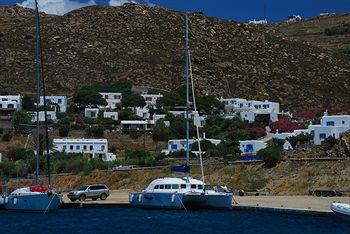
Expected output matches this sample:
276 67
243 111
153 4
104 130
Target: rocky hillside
313 31
146 45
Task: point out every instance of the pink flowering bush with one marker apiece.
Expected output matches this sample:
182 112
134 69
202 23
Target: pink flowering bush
284 125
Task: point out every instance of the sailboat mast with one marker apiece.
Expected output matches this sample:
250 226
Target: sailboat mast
187 98
38 70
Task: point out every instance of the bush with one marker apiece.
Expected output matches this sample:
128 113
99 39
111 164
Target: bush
63 130
284 125
161 132
95 131
271 155
338 30
301 138
329 143
28 103
205 145
21 120
19 153
6 137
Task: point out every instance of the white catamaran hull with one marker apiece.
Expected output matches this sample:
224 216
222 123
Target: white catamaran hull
156 200
181 200
33 202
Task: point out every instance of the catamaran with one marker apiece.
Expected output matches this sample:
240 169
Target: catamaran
36 198
185 192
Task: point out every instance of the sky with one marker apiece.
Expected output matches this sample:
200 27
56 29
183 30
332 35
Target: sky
274 10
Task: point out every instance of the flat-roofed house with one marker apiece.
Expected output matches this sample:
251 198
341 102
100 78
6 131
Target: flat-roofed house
112 99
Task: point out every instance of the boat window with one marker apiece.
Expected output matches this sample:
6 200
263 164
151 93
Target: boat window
175 186
168 186
161 186
183 186
156 187
193 186
200 186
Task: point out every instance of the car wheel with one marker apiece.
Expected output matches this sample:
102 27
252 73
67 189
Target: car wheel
82 197
73 199
94 199
103 196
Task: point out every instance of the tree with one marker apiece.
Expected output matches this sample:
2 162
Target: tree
133 100
228 147
63 130
18 153
300 138
271 155
21 119
87 97
28 103
205 145
161 132
209 104
95 131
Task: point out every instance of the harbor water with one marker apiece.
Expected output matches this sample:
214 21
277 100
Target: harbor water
132 220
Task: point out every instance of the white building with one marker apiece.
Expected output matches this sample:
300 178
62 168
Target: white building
197 119
95 148
251 147
180 144
142 112
112 99
263 22
331 126
151 99
0 157
51 115
91 113
11 102
285 135
60 101
249 109
111 115
137 125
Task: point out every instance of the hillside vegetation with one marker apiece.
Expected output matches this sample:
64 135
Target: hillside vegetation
146 45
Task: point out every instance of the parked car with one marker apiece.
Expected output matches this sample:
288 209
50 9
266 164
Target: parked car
94 191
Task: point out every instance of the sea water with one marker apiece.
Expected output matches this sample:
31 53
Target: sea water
131 220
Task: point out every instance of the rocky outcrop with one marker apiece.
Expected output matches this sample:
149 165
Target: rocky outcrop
342 148
146 45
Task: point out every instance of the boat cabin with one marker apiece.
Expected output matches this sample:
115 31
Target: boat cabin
171 184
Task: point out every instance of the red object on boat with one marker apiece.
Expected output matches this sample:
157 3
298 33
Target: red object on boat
39 188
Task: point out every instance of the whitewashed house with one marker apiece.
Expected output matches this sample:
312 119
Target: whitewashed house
95 148
51 115
180 144
11 102
112 99
142 112
285 135
263 21
331 126
249 109
110 115
151 99
137 125
91 113
59 101
251 147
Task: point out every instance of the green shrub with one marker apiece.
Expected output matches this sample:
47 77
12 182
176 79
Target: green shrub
271 155
19 153
301 138
63 130
338 30
95 131
329 143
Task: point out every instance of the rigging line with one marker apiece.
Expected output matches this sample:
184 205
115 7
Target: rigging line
195 112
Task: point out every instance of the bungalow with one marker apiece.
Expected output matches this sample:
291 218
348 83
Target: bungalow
91 113
151 99
251 147
95 148
331 126
112 99
180 144
137 125
9 104
110 115
51 115
59 101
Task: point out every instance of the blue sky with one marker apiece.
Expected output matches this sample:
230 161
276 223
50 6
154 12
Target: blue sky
276 10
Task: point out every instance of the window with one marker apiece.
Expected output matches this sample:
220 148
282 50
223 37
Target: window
102 147
183 186
91 147
106 96
59 100
200 186
330 123
161 186
343 122
77 147
173 146
64 147
175 186
322 136
0 105
241 105
85 147
168 186
193 186
156 187
10 106
312 133
71 147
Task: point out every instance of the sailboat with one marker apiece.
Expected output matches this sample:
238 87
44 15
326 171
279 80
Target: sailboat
37 197
186 192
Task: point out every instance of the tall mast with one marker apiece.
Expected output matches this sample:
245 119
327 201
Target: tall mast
38 70
187 99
